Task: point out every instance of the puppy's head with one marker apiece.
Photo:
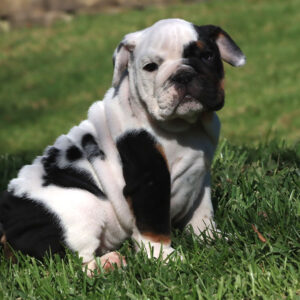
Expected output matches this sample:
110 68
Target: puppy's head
175 68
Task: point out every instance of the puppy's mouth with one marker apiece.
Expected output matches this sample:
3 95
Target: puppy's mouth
188 98
197 94
185 98
188 107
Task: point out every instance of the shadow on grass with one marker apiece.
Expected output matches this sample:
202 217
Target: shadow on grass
236 165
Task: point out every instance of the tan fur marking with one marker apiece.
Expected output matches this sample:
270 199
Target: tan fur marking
8 253
222 84
162 152
3 239
129 201
157 238
200 44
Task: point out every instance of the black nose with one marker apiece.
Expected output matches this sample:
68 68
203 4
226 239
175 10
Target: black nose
183 77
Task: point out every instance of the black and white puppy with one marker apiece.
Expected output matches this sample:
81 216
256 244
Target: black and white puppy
140 163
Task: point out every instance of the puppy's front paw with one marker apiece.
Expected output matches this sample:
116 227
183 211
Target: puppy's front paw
159 251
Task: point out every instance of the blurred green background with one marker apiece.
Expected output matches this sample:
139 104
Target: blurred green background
49 76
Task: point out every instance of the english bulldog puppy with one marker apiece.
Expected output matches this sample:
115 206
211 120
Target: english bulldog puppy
140 163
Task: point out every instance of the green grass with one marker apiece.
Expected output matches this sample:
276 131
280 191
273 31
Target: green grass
50 76
252 186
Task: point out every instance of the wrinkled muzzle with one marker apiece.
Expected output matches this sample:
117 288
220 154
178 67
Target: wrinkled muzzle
192 87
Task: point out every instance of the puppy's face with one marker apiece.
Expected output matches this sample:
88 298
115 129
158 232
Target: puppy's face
175 68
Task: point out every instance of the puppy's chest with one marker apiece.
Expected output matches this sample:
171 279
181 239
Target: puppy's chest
189 160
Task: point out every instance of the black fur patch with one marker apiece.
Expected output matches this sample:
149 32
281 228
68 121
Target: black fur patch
213 33
206 59
91 148
207 64
29 227
73 153
147 181
67 177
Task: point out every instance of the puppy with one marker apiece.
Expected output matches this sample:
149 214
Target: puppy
140 163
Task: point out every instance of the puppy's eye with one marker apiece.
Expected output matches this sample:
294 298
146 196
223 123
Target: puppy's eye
207 56
150 67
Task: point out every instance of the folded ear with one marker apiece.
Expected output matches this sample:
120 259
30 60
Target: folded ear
122 54
229 50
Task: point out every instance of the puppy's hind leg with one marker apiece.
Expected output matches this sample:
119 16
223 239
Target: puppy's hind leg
147 191
107 262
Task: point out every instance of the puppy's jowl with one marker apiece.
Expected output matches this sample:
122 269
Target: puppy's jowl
140 163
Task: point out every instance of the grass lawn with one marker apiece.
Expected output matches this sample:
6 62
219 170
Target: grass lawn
252 186
50 76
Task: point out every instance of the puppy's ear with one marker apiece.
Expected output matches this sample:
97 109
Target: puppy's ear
122 54
229 50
